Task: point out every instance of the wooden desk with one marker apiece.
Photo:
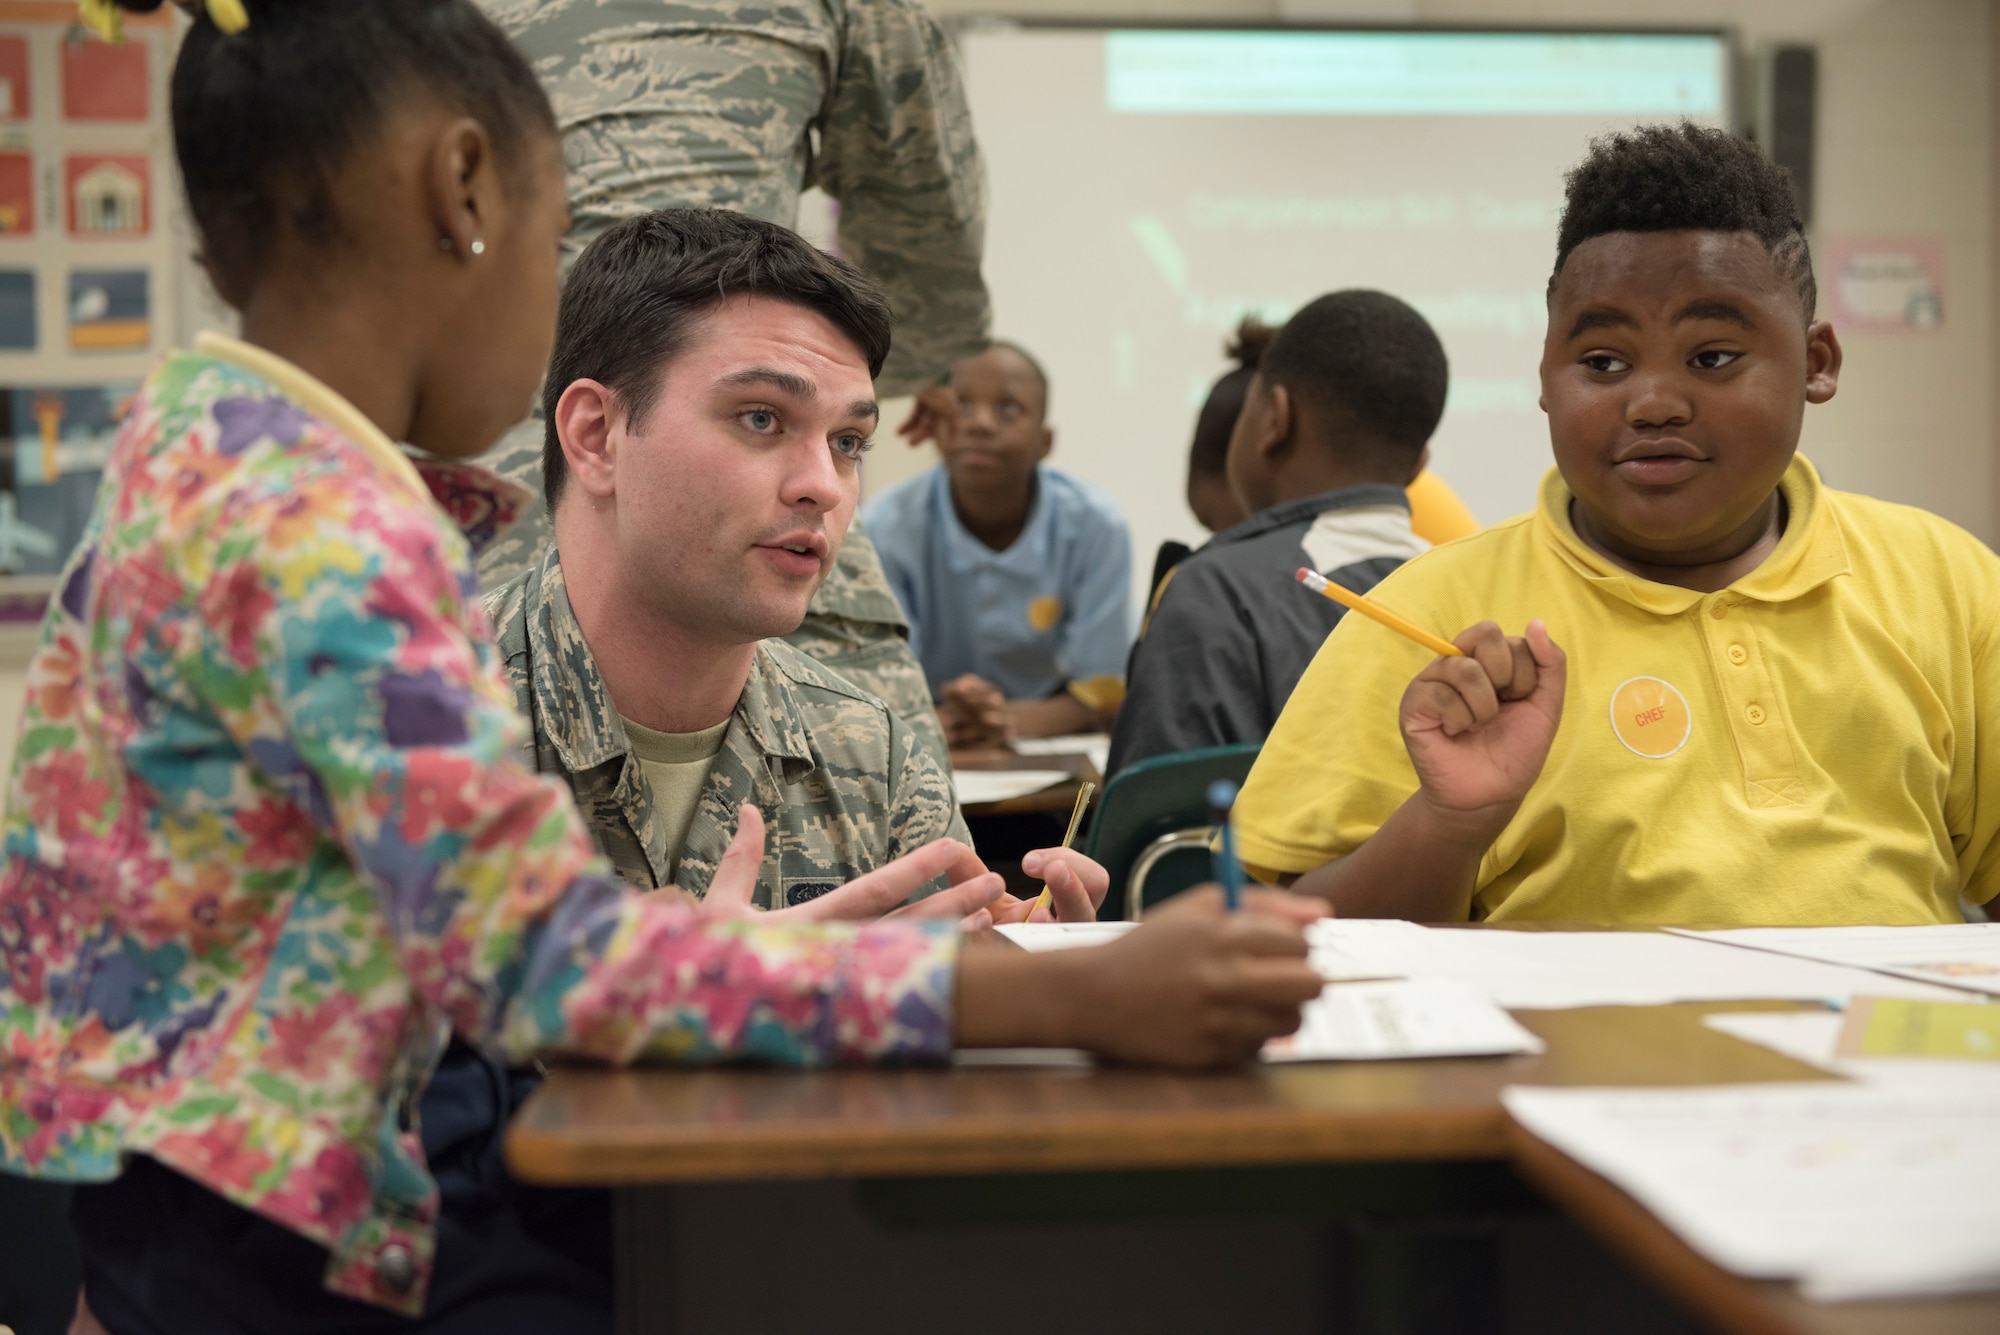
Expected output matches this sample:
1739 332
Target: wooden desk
1054 800
646 1126
1434 1128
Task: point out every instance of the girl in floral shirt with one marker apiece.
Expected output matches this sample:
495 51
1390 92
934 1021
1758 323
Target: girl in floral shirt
267 841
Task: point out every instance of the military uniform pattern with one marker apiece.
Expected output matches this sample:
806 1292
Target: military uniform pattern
715 102
843 784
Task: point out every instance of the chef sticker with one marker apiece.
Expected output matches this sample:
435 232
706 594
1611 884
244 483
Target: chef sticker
1650 717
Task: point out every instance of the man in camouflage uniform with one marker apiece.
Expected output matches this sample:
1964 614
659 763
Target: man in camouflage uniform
842 783
666 103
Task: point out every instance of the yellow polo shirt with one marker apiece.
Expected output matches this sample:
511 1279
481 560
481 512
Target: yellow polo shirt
1818 743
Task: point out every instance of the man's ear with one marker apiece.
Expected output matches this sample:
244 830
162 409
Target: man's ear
463 190
588 420
1823 357
1280 424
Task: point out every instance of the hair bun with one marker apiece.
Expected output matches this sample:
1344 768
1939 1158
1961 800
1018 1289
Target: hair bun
1252 339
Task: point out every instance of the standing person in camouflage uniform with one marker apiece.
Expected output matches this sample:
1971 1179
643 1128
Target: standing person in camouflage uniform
709 400
716 103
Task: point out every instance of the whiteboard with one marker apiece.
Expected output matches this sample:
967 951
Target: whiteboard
1151 186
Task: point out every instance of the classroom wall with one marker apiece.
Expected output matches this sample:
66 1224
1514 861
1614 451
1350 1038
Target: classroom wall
1907 141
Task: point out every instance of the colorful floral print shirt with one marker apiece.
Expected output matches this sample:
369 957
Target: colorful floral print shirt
269 839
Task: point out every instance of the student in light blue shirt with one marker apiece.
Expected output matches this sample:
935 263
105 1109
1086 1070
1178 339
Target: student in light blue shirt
1016 578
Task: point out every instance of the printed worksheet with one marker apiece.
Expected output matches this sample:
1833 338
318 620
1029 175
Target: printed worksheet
1963 955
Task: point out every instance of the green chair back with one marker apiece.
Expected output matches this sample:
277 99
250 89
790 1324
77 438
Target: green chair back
1153 798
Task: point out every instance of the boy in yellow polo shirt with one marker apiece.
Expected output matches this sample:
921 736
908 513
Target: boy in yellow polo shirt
1782 702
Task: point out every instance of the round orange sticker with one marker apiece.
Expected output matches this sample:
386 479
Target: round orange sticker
1650 717
1044 612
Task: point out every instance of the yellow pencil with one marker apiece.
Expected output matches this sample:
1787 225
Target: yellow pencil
1355 602
1075 819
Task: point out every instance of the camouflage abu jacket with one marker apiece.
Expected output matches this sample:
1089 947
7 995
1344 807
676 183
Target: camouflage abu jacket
843 786
269 840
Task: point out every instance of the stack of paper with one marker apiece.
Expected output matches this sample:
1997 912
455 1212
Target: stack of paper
1373 1021
1963 955
975 786
1813 1037
1096 745
1552 970
1039 936
1856 1191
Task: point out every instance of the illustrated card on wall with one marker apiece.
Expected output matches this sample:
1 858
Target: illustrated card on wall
1884 285
110 310
17 194
15 100
103 81
110 195
17 310
60 441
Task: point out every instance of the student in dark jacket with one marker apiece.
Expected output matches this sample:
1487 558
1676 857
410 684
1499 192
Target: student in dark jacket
1335 424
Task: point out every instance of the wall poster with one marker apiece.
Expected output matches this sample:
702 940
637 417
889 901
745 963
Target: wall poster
86 269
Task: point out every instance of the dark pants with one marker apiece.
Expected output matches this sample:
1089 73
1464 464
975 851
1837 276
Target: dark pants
165 1256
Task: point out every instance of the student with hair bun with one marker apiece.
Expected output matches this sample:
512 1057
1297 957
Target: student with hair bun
270 841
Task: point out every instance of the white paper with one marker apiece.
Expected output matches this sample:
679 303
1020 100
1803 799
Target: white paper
1374 1021
1964 955
1554 970
1039 936
997 785
1859 1191
1096 745
1811 1036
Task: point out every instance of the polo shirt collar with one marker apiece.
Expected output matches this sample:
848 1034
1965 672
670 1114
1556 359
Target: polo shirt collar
1811 551
569 690
1309 508
482 504
966 554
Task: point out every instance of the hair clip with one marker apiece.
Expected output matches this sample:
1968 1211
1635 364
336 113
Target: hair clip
228 15
104 17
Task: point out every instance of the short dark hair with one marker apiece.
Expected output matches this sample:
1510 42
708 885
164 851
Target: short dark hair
1671 178
266 118
1208 455
1034 365
1370 366
640 289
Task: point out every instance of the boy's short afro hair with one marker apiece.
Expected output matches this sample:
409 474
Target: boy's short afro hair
1669 178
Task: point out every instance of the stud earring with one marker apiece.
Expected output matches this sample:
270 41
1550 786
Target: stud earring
478 246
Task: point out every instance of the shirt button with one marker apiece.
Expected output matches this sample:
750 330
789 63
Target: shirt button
396 1268
1719 611
1755 713
1738 655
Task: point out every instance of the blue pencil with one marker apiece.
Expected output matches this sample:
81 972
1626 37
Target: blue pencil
1221 799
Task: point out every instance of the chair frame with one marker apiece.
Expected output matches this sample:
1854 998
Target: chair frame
1195 836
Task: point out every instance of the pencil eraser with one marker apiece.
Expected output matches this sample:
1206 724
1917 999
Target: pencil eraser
1303 575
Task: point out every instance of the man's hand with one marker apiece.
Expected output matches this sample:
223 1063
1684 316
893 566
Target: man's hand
972 888
1193 986
934 416
973 712
1076 887
1478 728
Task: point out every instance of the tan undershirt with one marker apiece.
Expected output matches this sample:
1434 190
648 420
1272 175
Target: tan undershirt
676 766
